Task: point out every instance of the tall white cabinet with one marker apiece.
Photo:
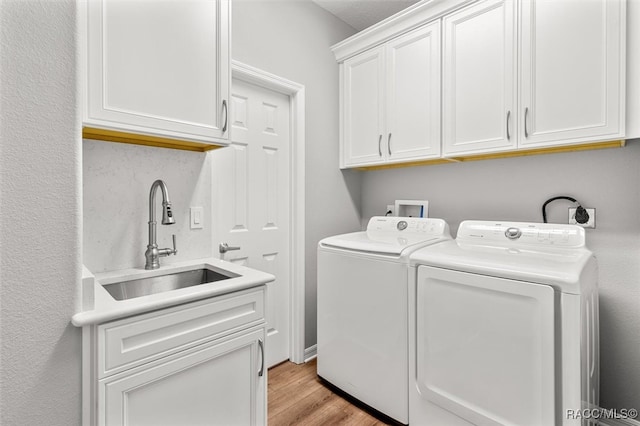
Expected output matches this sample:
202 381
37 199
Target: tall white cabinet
390 98
157 68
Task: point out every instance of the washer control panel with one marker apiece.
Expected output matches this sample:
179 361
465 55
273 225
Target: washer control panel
402 225
519 233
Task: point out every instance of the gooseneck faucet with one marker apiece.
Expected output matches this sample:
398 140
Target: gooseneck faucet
153 253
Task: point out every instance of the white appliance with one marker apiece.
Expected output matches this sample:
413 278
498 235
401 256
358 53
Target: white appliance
504 327
362 309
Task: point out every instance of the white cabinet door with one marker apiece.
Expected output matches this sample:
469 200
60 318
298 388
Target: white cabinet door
413 95
363 108
479 78
220 384
572 86
158 68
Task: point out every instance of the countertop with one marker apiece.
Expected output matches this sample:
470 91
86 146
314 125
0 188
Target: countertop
98 306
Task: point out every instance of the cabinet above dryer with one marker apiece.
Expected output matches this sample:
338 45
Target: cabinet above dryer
517 77
156 73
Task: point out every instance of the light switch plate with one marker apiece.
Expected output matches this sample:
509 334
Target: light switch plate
197 218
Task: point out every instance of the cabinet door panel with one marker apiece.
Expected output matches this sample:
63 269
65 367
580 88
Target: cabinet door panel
217 385
158 67
479 79
571 71
133 341
413 95
363 85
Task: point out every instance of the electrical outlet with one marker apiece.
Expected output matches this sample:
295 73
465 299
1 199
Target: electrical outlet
390 208
592 218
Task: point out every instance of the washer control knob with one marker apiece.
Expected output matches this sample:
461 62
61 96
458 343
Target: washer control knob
513 233
402 225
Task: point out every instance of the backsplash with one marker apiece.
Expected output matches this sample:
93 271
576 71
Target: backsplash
116 182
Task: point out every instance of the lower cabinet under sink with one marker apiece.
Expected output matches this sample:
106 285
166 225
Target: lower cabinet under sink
197 363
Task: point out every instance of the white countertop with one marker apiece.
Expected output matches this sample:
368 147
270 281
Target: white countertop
99 306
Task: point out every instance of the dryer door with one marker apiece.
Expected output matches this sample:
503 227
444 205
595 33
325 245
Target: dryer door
485 347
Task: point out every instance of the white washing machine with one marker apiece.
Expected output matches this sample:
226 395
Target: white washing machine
504 327
362 309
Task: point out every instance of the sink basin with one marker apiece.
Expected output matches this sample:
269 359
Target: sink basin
162 283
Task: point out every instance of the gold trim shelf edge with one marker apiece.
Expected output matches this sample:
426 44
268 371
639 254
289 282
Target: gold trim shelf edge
507 154
146 140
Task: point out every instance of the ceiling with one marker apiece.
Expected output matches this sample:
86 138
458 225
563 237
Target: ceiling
361 14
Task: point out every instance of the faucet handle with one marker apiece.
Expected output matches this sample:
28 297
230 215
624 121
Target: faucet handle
175 250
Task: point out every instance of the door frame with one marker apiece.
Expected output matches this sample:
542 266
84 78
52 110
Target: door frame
296 94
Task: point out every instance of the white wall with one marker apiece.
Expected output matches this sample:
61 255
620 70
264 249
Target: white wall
116 183
40 226
292 39
515 189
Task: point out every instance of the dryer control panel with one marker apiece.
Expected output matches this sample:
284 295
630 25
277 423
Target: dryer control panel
400 225
520 233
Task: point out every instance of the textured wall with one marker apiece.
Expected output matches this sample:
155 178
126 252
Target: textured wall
40 222
116 183
514 189
292 39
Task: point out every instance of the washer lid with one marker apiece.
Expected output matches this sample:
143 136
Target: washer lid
493 249
390 236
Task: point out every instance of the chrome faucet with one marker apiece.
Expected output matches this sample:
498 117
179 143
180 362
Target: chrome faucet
153 253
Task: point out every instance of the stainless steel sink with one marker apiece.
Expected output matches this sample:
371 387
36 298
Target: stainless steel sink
162 283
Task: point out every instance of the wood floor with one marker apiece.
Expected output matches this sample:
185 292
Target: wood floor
296 396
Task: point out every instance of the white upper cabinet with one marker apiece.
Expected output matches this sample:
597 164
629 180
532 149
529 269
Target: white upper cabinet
158 68
391 101
573 71
413 95
479 78
362 103
517 75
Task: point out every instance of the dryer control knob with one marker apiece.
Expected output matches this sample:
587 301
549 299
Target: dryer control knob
513 233
402 225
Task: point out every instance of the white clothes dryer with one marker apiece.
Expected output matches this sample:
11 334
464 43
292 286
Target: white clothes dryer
362 309
504 327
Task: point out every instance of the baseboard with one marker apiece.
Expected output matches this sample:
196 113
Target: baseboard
312 351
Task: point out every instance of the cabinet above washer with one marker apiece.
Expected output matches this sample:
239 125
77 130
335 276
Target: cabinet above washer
390 99
156 73
518 77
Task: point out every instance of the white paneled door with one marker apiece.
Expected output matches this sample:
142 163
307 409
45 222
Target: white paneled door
252 206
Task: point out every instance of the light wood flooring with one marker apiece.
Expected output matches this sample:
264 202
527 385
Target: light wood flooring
296 396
